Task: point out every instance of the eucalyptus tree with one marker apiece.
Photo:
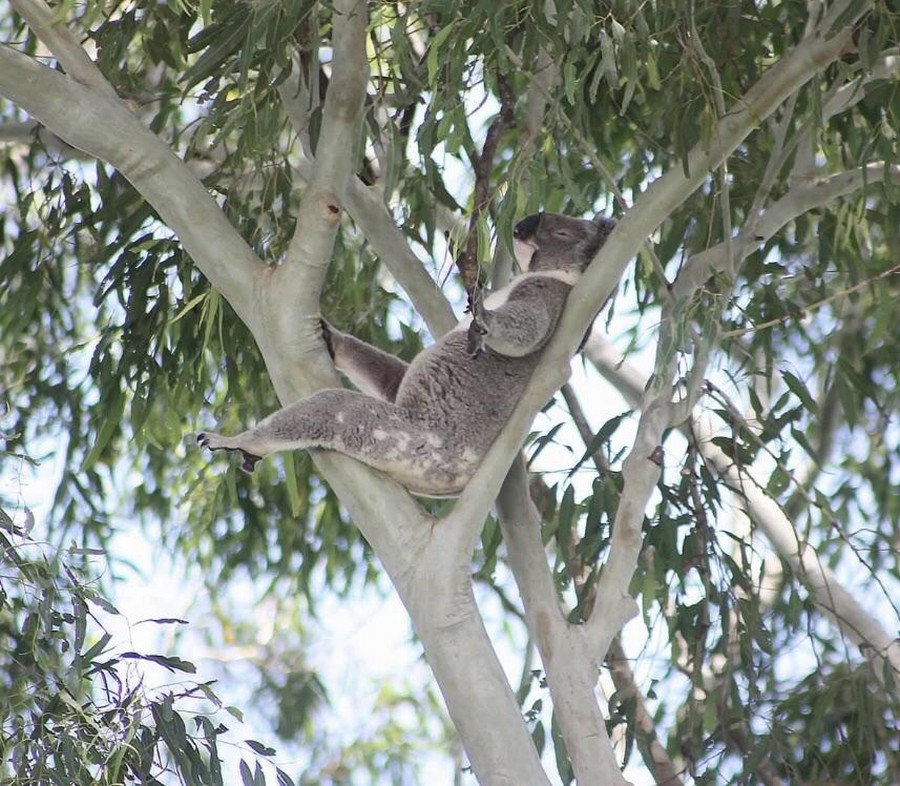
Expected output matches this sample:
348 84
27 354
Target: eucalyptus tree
190 186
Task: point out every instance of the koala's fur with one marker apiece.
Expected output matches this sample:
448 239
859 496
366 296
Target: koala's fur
428 423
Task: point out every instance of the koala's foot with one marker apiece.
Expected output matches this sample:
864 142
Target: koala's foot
219 442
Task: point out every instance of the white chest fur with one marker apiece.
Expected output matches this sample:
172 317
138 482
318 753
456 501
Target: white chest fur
496 299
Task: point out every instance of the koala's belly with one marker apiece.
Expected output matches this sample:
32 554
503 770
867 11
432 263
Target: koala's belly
427 461
436 475
469 399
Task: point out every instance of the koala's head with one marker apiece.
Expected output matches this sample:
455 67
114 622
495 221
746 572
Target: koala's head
548 241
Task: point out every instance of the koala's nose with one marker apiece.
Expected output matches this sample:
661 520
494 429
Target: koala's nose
527 227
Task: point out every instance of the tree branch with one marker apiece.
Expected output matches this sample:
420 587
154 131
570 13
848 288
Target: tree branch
25 133
372 217
853 621
568 662
642 466
374 220
369 212
437 592
49 28
337 152
583 428
652 751
780 130
802 198
839 100
601 277
293 291
849 95
796 202
810 307
103 127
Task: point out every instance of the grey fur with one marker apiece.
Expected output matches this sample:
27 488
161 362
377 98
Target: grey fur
428 424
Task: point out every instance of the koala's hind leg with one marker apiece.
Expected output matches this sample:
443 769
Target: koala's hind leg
327 419
370 369
378 433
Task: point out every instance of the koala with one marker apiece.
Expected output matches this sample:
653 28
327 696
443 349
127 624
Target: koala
428 423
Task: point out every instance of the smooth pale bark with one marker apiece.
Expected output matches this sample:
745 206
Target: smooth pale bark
436 588
567 657
438 594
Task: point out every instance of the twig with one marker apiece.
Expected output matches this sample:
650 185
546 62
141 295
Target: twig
304 266
584 430
802 313
652 750
483 165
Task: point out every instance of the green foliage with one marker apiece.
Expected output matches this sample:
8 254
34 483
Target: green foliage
853 726
75 709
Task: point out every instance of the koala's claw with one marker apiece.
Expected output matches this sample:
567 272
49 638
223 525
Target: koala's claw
217 442
475 338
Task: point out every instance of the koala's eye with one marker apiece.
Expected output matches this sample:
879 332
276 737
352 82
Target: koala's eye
562 233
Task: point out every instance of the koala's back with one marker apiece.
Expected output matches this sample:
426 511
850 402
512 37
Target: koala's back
470 398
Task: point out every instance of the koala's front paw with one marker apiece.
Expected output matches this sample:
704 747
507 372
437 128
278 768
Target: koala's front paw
475 338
